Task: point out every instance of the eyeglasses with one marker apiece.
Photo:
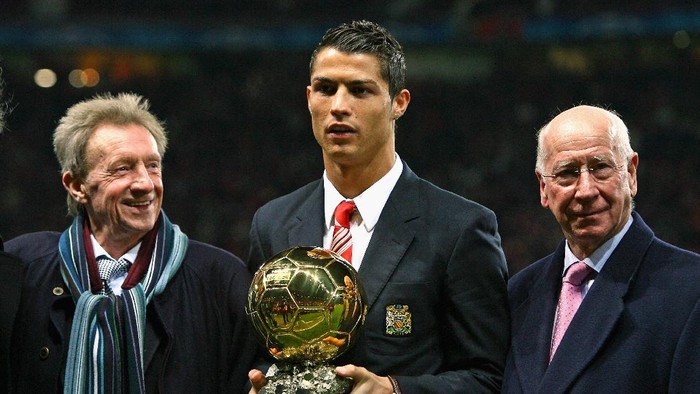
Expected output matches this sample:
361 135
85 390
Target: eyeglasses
601 172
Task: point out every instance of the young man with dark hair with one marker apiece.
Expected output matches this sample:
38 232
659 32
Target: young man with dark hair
430 261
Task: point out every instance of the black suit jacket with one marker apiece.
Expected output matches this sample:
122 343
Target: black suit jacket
431 250
637 330
11 274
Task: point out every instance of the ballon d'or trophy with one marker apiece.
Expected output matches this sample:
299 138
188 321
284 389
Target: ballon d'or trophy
307 307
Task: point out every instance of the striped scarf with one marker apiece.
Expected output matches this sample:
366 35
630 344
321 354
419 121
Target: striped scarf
105 353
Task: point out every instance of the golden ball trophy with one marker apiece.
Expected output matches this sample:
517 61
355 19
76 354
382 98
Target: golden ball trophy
306 306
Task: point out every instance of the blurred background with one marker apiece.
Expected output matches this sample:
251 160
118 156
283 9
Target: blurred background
228 78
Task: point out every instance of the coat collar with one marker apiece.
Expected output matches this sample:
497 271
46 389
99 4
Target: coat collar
532 321
309 226
592 325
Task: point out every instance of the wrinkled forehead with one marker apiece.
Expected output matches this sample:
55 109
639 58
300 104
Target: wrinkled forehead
582 131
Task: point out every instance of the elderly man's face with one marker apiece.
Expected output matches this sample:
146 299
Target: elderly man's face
590 210
124 188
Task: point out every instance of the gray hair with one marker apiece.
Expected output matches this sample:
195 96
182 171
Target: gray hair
81 120
618 132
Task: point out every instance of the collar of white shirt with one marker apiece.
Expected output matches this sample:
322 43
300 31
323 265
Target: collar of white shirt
600 256
100 251
116 283
369 203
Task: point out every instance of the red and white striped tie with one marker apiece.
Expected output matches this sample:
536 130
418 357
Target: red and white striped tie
342 240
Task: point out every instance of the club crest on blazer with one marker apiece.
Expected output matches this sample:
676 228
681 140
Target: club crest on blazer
398 320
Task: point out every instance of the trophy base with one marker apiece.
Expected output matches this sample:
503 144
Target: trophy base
305 378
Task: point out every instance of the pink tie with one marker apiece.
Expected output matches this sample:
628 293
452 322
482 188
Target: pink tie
342 240
569 301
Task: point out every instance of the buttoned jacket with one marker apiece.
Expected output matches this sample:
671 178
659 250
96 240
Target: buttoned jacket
11 274
197 336
433 252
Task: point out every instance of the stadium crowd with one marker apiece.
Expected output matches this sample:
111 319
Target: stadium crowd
240 136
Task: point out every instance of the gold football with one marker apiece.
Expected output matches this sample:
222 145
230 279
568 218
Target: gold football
306 304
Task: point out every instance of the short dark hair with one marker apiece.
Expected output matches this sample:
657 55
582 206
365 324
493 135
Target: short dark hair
368 37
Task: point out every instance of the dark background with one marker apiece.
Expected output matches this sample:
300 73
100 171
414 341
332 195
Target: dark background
228 78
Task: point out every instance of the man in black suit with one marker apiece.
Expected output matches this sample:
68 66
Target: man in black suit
637 329
425 256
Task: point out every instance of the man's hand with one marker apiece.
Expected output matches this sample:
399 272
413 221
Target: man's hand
365 381
257 380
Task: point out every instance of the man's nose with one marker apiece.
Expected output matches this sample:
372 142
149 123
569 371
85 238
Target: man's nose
340 104
586 185
142 179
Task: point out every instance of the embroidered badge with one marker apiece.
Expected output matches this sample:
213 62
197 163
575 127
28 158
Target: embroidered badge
398 320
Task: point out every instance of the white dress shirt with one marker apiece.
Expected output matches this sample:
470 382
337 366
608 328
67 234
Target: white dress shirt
598 258
369 206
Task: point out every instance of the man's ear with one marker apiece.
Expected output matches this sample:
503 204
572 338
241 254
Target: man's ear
632 171
544 199
74 186
400 103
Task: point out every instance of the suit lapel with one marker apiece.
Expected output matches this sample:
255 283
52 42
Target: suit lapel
309 227
591 326
533 320
391 236
600 311
390 239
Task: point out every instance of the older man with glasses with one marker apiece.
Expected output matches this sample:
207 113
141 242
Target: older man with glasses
614 308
